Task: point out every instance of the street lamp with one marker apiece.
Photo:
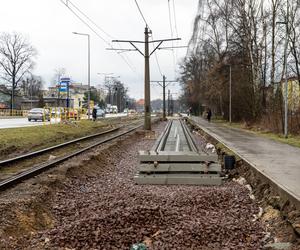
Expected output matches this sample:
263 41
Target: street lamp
89 70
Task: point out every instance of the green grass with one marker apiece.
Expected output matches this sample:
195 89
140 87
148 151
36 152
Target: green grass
293 140
20 140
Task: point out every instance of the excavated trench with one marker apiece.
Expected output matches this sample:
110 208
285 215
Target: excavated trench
279 215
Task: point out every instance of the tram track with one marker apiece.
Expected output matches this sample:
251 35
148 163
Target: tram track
17 169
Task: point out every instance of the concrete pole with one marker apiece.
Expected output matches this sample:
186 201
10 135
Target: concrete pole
164 97
89 76
147 122
286 73
168 102
229 93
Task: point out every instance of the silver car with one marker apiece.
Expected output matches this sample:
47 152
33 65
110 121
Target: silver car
38 114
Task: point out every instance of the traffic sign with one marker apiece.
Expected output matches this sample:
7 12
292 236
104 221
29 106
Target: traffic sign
64 84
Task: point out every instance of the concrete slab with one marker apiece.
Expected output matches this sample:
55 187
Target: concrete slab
179 167
167 156
279 162
180 179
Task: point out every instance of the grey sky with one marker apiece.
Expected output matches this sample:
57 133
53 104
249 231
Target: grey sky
49 26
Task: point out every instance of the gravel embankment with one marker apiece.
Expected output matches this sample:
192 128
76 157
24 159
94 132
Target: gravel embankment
108 211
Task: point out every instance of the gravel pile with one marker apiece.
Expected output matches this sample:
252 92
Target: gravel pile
108 211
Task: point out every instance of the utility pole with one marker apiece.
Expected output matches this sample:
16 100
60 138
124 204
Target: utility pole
168 102
146 55
286 23
164 85
230 94
147 110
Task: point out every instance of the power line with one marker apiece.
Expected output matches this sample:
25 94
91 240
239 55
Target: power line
88 18
97 34
170 19
171 29
175 22
66 4
137 5
156 58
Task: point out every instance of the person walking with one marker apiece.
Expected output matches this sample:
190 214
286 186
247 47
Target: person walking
209 114
94 114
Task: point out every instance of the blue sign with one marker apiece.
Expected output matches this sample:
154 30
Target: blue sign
64 84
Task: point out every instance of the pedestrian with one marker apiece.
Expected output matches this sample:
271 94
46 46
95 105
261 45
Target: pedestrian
94 114
189 111
209 115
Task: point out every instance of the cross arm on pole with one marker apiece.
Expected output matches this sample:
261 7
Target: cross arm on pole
158 82
132 44
121 49
126 41
161 41
137 48
156 47
165 40
175 47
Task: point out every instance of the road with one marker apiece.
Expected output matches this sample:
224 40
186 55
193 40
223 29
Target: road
23 122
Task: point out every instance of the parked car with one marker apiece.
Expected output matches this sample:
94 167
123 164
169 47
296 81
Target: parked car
38 114
100 112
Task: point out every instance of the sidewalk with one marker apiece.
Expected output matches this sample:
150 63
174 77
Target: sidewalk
277 161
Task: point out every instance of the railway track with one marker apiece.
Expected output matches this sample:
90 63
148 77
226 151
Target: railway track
175 159
17 169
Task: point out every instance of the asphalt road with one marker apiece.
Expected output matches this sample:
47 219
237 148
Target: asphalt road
23 122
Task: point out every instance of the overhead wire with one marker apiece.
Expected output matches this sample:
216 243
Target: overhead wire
137 5
175 19
155 54
175 25
124 57
88 18
172 35
96 33
156 58
92 29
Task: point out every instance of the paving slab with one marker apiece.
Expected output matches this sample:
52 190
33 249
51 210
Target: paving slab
277 161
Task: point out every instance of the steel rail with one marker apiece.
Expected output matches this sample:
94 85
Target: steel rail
45 166
188 136
38 152
163 139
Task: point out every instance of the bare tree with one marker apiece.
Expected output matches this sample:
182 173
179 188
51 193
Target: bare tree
16 55
31 86
58 73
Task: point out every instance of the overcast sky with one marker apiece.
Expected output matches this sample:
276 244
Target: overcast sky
49 24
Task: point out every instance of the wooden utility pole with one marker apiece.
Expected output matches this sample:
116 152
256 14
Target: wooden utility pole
164 85
146 55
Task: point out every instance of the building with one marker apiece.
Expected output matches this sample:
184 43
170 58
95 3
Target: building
4 97
293 93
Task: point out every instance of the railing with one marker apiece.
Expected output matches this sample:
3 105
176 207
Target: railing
14 112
